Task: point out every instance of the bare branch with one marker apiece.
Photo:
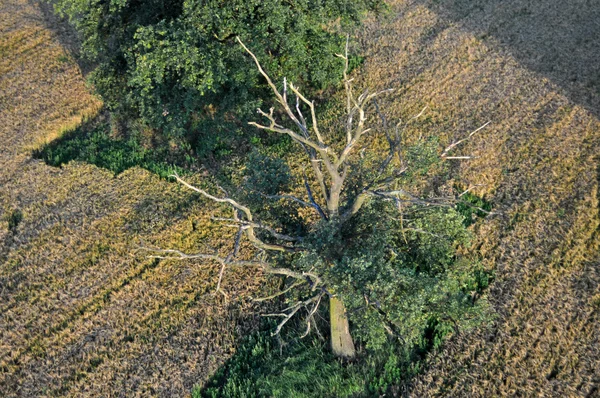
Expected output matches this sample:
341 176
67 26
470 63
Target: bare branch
292 311
250 228
347 82
282 271
301 116
214 198
319 146
313 113
281 292
273 232
310 315
452 146
231 256
316 166
400 195
276 128
312 199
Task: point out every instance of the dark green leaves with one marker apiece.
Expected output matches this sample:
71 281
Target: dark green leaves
176 65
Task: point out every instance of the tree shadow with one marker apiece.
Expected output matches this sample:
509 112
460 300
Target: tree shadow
94 142
557 39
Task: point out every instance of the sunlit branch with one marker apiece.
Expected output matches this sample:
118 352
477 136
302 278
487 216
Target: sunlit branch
452 146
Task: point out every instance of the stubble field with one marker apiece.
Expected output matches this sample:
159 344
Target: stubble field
83 312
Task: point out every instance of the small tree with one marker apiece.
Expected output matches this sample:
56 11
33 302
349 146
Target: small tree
372 247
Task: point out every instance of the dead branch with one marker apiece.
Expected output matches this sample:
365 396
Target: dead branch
317 149
292 311
452 146
246 211
231 256
245 224
281 292
310 316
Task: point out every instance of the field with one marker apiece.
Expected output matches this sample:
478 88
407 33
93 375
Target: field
84 312
534 74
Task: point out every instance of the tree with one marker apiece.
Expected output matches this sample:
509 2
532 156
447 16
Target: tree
371 247
175 64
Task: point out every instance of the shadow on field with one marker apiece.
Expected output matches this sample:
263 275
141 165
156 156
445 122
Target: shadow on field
554 38
96 143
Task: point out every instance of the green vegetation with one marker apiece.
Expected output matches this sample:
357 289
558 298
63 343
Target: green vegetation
175 64
472 207
92 142
263 367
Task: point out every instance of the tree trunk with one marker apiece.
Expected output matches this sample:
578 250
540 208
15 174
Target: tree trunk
341 341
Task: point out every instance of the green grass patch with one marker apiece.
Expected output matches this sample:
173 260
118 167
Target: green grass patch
262 367
472 207
93 142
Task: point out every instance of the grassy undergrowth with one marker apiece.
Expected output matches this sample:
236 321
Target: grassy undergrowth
93 142
263 366
472 208
305 368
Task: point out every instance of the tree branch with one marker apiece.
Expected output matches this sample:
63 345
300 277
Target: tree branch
327 156
250 228
452 146
292 311
244 224
281 292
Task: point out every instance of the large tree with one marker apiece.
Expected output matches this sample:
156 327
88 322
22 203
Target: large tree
383 256
175 64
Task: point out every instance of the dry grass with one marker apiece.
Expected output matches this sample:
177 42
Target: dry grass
539 162
82 313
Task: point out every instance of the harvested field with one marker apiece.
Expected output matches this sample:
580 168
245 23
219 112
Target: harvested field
82 313
533 72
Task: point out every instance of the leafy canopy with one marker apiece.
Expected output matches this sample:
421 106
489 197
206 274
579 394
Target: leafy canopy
398 272
175 62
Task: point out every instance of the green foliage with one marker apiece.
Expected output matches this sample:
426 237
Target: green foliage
262 367
266 174
422 156
259 370
399 274
396 271
14 219
93 143
473 207
176 63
